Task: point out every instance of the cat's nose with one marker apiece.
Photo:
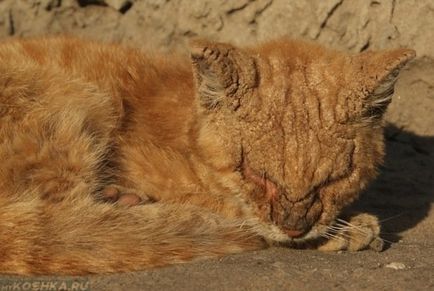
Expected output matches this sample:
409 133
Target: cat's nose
295 224
293 233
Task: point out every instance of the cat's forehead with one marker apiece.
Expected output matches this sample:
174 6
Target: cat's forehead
292 52
295 87
304 64
311 59
295 66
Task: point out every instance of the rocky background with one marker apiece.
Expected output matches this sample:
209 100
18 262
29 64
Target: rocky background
402 196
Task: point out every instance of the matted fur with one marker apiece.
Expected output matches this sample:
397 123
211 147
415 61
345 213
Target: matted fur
233 151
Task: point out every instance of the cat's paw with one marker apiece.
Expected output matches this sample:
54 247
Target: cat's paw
358 232
124 196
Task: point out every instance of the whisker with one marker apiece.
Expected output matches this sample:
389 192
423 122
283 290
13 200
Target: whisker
393 217
341 225
348 227
390 233
343 221
388 241
332 236
362 231
344 235
359 230
348 236
337 228
353 226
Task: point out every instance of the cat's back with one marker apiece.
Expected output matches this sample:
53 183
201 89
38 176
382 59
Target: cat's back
82 59
46 80
102 63
71 72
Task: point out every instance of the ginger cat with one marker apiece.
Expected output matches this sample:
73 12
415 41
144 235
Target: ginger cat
117 160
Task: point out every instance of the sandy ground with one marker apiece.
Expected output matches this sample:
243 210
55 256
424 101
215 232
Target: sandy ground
403 194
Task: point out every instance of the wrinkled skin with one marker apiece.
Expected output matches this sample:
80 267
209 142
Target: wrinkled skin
305 125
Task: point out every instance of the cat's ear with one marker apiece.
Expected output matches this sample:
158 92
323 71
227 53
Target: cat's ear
379 72
222 73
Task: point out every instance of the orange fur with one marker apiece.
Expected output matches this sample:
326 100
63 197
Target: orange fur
235 150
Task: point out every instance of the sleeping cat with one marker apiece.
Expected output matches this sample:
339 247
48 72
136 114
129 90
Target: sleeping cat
117 160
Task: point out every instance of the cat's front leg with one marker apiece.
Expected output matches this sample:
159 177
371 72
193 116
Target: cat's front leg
356 232
223 205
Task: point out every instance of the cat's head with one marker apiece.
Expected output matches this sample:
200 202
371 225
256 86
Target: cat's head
301 124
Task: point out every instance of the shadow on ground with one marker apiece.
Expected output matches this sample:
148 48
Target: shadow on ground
402 194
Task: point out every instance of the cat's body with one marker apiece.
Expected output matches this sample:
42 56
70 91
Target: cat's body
242 149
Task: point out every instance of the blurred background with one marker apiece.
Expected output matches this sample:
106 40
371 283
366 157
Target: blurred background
402 196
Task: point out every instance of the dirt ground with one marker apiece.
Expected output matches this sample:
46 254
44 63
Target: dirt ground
402 196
